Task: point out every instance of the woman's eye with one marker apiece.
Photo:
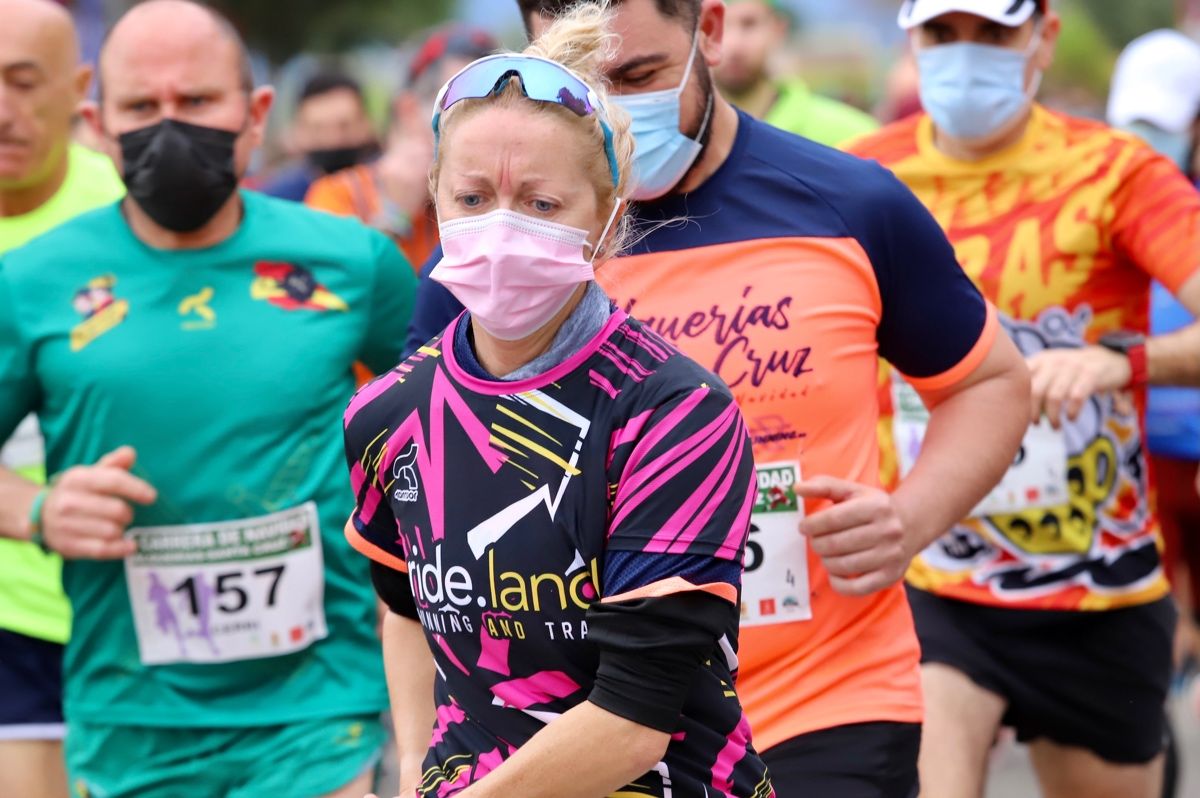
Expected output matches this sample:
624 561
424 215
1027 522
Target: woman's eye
471 200
542 206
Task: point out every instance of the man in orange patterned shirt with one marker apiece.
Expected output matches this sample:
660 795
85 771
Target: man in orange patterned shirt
1047 610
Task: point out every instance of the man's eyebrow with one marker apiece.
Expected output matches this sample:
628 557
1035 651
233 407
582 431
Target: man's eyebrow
995 28
640 62
19 66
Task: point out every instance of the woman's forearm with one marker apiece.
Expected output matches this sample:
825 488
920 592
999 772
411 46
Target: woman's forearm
410 679
587 753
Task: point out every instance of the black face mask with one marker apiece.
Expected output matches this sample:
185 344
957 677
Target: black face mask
179 174
335 160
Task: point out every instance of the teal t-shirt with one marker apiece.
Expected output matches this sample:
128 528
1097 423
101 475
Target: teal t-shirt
228 370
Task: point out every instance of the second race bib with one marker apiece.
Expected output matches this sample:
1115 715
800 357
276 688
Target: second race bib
1037 478
775 583
230 590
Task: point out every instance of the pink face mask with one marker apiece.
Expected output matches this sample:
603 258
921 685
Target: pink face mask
513 272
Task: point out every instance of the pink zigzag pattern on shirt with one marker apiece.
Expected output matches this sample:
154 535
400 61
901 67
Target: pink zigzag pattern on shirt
541 688
687 522
447 715
431 451
493 652
627 434
734 751
643 483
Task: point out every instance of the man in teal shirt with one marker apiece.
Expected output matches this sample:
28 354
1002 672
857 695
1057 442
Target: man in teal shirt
44 181
755 31
189 354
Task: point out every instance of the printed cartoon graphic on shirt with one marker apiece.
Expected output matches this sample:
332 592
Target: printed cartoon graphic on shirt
1040 540
100 309
292 287
1055 233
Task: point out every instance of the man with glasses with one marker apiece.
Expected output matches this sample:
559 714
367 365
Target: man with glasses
1047 609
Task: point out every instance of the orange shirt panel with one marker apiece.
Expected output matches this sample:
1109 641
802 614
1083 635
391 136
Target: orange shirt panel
793 334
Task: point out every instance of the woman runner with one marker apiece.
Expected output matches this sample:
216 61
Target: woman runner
551 495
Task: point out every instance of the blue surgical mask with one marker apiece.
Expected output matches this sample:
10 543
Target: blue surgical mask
663 155
1176 146
973 90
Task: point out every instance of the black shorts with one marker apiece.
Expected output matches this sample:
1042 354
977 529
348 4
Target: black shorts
864 760
30 688
1093 680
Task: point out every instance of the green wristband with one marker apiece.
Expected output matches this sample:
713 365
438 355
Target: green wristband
35 519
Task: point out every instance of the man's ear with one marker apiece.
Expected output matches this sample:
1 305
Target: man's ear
1043 58
81 81
712 30
261 100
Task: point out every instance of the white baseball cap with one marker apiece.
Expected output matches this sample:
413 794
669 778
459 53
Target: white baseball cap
1157 80
1012 13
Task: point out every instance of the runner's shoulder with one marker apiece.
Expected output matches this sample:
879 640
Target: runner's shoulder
396 393
673 375
856 192
49 258
1089 136
344 235
891 143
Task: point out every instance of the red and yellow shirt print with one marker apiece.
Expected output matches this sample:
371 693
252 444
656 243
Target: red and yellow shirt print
1063 233
783 275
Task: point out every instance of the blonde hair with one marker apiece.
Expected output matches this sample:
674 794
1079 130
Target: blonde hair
581 40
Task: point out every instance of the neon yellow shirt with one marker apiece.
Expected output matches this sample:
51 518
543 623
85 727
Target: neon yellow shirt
31 596
801 111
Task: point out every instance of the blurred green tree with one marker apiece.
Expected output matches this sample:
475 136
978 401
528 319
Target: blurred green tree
1085 57
1122 21
280 30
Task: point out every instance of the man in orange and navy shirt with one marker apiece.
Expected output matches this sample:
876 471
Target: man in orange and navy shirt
795 267
1046 609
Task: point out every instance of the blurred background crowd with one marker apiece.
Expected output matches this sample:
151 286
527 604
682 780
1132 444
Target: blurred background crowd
850 50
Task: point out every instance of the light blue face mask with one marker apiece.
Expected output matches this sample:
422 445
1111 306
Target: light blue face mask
973 90
1176 146
663 155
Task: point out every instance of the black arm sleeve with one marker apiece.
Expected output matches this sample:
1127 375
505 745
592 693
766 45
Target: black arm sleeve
393 588
650 652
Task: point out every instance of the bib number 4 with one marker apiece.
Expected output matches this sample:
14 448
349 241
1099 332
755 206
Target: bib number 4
775 581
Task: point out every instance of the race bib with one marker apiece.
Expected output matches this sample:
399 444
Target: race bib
775 583
1036 479
229 590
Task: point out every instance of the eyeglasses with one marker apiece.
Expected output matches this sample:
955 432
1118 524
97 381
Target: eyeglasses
540 79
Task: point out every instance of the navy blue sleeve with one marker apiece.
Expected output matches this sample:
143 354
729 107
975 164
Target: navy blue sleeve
933 315
435 309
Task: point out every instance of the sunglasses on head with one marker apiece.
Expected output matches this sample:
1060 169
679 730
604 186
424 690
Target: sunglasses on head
540 80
